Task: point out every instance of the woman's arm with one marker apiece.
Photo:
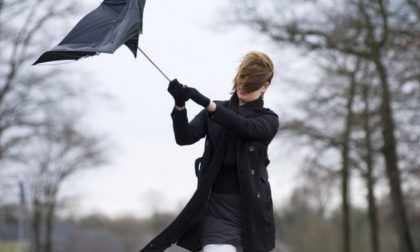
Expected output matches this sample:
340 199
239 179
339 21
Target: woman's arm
185 133
188 133
263 127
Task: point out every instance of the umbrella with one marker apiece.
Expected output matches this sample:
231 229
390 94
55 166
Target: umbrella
104 30
113 23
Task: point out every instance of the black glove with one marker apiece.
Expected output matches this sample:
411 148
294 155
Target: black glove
178 92
197 97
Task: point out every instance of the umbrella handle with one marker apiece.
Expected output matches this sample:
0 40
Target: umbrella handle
147 57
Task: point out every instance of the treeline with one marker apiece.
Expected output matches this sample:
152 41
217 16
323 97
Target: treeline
302 226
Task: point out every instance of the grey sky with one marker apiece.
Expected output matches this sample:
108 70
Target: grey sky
148 170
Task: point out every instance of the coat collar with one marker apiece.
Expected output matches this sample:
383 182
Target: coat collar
255 104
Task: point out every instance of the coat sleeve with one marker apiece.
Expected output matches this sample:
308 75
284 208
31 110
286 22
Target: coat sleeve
263 127
187 133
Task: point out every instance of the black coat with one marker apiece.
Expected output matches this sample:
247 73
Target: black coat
254 127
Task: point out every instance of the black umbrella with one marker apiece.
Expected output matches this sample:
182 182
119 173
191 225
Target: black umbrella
104 30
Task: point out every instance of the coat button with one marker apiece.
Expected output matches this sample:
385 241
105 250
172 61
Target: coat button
251 148
258 195
207 143
253 172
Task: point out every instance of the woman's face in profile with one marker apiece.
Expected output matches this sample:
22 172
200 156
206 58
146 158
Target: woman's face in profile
244 96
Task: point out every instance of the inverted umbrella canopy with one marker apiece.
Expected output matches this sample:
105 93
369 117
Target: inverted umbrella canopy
104 30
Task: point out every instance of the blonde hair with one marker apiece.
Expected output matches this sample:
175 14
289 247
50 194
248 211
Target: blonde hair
257 69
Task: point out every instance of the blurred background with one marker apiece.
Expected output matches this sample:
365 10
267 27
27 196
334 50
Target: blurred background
88 160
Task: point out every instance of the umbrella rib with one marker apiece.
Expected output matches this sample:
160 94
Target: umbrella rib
153 63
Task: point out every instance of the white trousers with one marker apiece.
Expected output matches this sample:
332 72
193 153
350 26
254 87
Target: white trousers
221 248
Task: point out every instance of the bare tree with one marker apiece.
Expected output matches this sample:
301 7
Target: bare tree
61 149
37 131
383 33
25 31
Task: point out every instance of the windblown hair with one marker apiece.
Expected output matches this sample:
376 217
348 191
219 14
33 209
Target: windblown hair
257 69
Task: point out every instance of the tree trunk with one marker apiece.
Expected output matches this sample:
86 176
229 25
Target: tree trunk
36 225
370 181
389 148
345 172
49 222
1 8
391 160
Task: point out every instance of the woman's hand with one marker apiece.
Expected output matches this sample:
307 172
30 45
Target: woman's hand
197 97
178 92
200 99
182 93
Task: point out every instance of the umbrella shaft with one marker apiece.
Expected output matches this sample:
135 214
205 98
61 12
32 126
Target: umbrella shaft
153 64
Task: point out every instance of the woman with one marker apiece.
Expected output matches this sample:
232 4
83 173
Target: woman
231 209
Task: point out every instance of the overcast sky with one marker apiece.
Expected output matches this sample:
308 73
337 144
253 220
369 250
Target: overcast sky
148 170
